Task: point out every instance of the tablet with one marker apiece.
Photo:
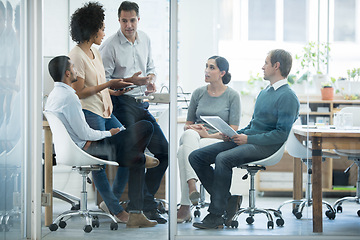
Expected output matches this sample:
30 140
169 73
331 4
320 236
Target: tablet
219 124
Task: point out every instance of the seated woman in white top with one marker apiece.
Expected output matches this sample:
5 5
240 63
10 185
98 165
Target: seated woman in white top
214 99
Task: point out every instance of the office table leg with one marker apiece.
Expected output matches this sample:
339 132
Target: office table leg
317 184
48 169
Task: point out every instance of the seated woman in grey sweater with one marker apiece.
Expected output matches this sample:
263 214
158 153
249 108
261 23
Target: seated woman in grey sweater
214 99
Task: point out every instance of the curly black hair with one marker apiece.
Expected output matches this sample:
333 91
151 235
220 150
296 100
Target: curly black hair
86 22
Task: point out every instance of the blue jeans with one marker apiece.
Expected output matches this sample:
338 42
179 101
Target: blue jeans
129 111
226 156
110 195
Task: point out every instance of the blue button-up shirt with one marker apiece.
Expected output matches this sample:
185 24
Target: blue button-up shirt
65 104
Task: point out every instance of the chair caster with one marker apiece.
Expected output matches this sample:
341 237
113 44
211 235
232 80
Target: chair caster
330 214
62 224
234 224
53 227
197 213
298 215
250 220
270 224
358 213
95 223
280 222
277 213
87 228
113 226
339 209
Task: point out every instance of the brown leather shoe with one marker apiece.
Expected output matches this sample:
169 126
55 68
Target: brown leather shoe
138 220
151 162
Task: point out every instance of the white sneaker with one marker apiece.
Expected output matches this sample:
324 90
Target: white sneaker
103 207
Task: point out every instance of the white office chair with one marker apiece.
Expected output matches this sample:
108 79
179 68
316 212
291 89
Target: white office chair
68 153
252 169
353 155
298 150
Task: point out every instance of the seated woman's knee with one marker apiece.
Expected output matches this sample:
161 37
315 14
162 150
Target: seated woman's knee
189 135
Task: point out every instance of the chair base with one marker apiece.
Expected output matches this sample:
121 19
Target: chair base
90 216
339 202
66 197
252 211
300 204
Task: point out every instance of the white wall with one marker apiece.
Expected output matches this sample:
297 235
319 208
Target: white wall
196 42
56 27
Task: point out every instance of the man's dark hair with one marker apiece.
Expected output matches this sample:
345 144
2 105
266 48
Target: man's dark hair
284 58
58 66
86 22
128 6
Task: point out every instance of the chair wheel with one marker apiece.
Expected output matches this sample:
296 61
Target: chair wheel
330 214
95 223
196 213
250 220
62 224
298 215
358 213
234 224
280 222
87 228
339 209
53 227
76 207
113 226
270 224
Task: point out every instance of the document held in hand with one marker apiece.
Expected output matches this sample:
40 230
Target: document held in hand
219 124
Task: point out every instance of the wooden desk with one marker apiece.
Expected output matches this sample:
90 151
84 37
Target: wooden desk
324 139
48 172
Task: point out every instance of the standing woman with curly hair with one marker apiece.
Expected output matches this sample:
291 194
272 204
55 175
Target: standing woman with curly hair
87 28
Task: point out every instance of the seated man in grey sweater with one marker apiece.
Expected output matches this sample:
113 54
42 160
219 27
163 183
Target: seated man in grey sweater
276 109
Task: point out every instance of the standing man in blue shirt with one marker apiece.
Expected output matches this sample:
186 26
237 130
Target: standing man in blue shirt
276 109
127 55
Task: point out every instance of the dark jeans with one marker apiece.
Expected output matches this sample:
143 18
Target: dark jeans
226 156
127 149
128 111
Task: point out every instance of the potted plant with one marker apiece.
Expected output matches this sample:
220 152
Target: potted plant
350 87
327 91
313 63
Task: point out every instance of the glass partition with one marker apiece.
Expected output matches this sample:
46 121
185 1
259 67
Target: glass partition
324 43
323 39
11 122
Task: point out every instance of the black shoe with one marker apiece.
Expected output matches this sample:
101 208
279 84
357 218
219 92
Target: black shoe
155 215
211 221
233 205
